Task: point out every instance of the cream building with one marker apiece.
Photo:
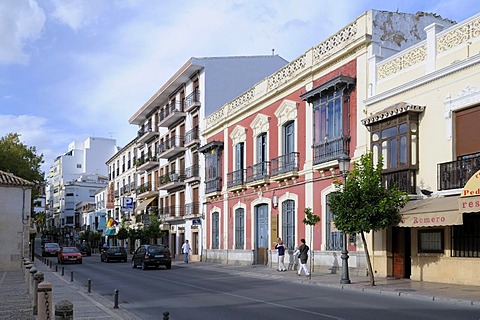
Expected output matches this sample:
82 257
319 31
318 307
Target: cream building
422 115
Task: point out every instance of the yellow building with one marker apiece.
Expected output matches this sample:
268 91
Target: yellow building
422 116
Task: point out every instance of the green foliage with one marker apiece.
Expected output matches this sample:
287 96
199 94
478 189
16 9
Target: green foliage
364 204
122 234
21 160
311 218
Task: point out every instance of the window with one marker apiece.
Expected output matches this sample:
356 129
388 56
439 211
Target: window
466 237
288 224
430 241
331 115
334 236
239 159
395 139
215 230
212 153
262 148
239 228
79 166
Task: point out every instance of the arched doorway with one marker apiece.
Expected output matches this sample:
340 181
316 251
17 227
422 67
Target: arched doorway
261 234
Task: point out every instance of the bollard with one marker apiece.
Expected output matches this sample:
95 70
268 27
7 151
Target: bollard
63 271
27 276
33 270
64 310
115 305
45 301
38 278
71 275
89 285
56 268
166 315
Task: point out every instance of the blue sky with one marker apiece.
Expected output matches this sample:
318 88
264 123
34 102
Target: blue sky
71 69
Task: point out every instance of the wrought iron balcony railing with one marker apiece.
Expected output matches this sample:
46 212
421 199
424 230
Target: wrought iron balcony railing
285 164
403 180
455 174
259 171
236 178
331 149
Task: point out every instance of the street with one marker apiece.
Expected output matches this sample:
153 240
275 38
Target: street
201 291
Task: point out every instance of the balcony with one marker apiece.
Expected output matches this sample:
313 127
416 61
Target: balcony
258 174
192 137
236 180
174 213
455 174
192 101
170 115
331 150
171 147
147 163
192 209
213 187
403 180
145 135
285 167
192 174
146 190
171 181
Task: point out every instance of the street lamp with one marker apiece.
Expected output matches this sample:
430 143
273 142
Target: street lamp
344 166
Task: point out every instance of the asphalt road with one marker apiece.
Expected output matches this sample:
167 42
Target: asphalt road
190 291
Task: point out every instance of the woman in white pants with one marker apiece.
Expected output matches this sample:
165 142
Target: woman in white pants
302 252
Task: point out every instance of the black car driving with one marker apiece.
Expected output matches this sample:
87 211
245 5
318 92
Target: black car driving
85 249
152 255
114 254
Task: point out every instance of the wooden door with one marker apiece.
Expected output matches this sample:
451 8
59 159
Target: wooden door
401 252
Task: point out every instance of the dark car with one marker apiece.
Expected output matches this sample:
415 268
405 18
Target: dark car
114 254
50 249
152 255
85 249
69 254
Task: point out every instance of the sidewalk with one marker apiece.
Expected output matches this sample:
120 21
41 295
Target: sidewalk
15 301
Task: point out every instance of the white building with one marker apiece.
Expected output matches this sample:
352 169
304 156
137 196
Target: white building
170 125
75 177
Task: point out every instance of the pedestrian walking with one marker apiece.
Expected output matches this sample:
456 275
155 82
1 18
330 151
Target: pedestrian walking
186 250
302 253
281 255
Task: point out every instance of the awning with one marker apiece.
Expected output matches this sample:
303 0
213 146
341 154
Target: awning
431 212
144 204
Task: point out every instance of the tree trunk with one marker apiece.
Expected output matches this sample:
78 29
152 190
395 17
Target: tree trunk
369 263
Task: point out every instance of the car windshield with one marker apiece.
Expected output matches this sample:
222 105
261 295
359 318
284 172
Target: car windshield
157 249
115 249
52 246
70 250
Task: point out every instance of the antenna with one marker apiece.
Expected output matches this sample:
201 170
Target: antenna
273 52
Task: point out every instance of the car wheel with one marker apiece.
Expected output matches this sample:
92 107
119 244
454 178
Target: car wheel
168 265
144 266
133 264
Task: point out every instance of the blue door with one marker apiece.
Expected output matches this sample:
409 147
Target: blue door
261 243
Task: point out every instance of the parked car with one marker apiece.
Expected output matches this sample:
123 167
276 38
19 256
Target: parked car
114 254
152 255
85 249
69 254
50 249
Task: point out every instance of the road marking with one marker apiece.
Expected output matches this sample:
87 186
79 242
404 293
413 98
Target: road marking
253 299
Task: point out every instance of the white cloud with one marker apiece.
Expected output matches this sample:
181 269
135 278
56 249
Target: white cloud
21 23
77 14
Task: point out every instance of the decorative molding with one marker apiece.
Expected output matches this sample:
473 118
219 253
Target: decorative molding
465 98
241 101
239 134
286 111
260 124
460 35
335 43
406 59
287 73
392 111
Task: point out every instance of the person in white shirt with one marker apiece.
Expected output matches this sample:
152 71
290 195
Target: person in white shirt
186 250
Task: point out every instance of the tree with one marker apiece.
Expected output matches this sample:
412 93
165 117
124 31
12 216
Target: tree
22 161
310 219
122 234
364 205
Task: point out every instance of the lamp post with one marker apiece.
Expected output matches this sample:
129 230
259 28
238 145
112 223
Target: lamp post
344 166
